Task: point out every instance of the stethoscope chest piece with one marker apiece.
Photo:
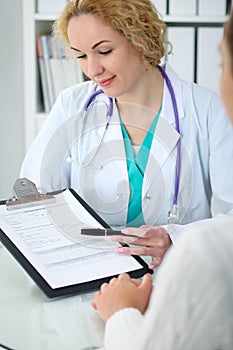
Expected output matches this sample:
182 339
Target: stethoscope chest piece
173 215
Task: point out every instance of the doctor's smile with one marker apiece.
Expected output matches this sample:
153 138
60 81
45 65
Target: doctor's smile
105 82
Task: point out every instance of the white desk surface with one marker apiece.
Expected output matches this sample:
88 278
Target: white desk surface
31 321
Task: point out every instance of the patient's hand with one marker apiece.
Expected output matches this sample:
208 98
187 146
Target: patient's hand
122 292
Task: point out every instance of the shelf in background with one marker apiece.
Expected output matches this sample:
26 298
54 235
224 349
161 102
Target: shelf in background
195 19
166 18
46 16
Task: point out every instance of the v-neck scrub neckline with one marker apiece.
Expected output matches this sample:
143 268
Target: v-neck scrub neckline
136 167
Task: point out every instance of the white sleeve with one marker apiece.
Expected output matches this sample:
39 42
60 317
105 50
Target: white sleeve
219 139
44 159
127 322
177 231
220 158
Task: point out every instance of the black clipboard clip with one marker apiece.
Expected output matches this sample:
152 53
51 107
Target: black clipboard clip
27 195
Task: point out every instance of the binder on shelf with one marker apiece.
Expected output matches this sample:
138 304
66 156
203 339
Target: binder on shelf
43 77
46 54
212 8
182 8
182 63
208 57
57 71
56 66
43 233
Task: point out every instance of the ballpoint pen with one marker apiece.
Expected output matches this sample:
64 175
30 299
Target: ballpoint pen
104 232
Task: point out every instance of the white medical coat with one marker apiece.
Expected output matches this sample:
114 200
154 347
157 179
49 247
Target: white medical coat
206 155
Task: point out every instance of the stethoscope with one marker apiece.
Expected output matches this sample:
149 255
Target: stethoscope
173 214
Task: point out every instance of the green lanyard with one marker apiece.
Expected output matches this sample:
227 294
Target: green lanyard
136 169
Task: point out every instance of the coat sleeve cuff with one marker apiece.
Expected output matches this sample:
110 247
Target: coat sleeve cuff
121 329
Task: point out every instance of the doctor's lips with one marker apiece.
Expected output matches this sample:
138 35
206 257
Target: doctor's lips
105 82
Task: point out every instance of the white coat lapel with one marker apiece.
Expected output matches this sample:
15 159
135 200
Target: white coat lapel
160 171
166 135
158 181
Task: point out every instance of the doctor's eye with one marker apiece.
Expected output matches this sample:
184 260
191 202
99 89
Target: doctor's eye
105 52
80 57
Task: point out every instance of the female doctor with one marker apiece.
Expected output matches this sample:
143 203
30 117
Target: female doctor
140 145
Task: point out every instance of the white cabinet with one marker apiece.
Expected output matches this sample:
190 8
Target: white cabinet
182 37
182 8
195 55
187 58
208 57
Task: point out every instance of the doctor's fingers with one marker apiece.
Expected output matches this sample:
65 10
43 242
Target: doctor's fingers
156 232
156 237
140 237
149 251
155 262
137 231
159 244
147 236
145 231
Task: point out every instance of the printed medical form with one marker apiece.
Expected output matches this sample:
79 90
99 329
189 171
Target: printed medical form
49 236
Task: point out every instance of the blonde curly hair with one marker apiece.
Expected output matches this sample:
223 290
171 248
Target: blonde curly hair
137 20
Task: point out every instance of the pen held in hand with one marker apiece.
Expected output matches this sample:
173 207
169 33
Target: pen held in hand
104 232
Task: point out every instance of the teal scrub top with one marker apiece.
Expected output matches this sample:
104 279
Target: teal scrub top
136 168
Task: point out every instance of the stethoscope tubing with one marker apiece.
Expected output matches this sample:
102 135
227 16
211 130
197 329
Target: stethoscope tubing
176 115
93 96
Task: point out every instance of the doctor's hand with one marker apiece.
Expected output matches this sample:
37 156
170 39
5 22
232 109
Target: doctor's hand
153 241
122 292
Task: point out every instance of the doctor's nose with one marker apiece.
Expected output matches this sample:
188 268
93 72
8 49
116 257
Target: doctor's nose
94 68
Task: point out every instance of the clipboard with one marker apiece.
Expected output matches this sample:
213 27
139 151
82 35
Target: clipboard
134 265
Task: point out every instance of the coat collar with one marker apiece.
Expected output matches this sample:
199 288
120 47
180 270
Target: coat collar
168 136
167 111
